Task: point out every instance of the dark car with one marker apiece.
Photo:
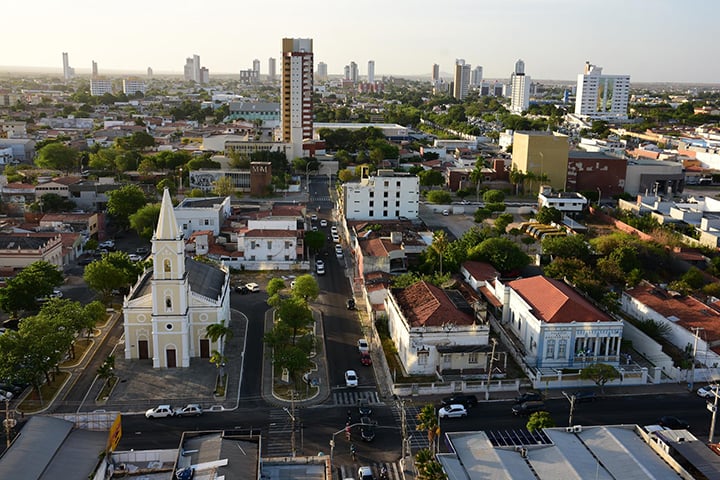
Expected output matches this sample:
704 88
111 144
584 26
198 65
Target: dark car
241 288
367 429
460 399
585 396
673 423
527 408
350 304
366 359
528 397
364 408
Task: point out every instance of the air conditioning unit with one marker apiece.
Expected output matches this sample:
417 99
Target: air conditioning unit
577 428
569 429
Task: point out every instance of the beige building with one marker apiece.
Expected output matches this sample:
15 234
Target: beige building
170 307
544 154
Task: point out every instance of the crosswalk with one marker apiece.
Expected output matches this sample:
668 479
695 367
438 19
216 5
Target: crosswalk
279 442
418 439
353 397
320 198
394 470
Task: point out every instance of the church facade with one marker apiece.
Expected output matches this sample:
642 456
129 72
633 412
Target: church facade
168 310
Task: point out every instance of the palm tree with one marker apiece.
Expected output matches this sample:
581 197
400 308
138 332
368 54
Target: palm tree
517 177
217 333
428 421
218 359
439 245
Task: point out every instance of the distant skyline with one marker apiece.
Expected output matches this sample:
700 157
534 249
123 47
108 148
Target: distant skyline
652 41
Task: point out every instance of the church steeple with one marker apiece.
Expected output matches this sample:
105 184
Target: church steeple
167 228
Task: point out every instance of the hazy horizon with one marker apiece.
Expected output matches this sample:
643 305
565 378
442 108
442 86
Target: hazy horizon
665 42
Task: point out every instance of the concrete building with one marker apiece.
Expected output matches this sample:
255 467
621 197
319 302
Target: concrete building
461 79
520 89
272 69
132 86
596 171
296 93
168 310
250 111
17 251
544 154
94 69
388 195
371 71
568 203
322 73
435 75
23 149
602 97
658 177
194 214
68 71
193 70
256 66
476 77
100 86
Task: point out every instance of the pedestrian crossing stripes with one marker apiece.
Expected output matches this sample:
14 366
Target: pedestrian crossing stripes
418 439
352 398
394 470
320 198
279 442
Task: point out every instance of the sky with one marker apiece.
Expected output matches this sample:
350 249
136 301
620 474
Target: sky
650 40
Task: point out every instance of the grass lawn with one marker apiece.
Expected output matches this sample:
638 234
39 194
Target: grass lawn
32 404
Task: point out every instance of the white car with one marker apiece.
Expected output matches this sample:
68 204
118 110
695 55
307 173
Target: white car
320 267
4 395
338 251
161 411
190 410
708 391
363 346
252 287
365 473
453 411
323 223
134 257
334 230
351 379
335 238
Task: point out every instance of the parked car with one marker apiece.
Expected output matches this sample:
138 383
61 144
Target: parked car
161 411
334 230
708 391
142 250
528 397
85 260
108 244
367 429
363 345
323 223
585 396
350 303
5 395
527 408
320 267
313 217
241 288
460 399
673 423
452 411
134 257
186 473
366 359
9 387
190 410
446 212
252 287
351 379
364 408
335 238
338 251
365 473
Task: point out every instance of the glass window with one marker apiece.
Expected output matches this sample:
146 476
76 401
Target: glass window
423 358
562 347
550 351
473 357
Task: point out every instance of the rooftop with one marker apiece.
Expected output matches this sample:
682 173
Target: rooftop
424 304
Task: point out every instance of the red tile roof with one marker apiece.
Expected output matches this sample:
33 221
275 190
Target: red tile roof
378 247
425 304
553 301
480 271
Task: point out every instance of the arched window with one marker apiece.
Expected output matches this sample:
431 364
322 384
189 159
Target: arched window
168 303
167 265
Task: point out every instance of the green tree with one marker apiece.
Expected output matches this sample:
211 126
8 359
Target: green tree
274 286
439 197
431 178
52 202
427 467
600 373
106 371
114 271
306 287
314 240
502 222
345 175
439 246
57 156
295 313
145 220
168 183
493 196
427 421
548 215
571 246
539 420
223 187
500 252
37 280
218 333
123 202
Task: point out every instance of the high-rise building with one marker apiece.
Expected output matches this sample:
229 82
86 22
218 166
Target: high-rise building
435 74
322 74
196 69
354 73
346 73
602 97
256 66
133 85
296 93
544 154
100 86
476 77
461 79
371 71
68 71
150 72
519 89
271 69
94 69
204 75
193 71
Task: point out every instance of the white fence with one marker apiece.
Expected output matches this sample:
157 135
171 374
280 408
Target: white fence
267 266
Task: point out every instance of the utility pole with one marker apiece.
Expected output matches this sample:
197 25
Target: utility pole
291 413
714 413
691 383
571 399
9 423
490 368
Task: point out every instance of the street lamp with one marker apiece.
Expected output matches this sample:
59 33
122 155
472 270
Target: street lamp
571 399
180 190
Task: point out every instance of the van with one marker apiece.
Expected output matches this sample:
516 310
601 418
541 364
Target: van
527 408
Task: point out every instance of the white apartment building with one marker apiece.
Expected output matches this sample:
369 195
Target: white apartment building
100 86
602 97
520 97
133 85
476 78
371 71
195 214
270 241
296 93
569 203
386 196
461 79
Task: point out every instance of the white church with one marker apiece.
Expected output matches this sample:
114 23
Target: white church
168 310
